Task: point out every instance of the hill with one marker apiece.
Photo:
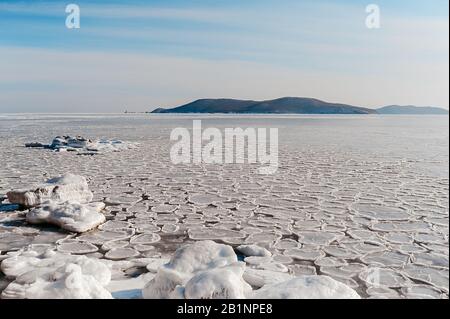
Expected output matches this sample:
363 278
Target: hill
287 105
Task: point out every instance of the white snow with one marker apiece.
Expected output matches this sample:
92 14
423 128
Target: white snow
60 189
207 270
218 283
70 215
306 287
185 264
130 288
39 272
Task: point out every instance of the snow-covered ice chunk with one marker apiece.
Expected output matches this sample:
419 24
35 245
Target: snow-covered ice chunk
84 145
67 282
218 283
155 263
186 262
40 272
60 189
72 216
307 287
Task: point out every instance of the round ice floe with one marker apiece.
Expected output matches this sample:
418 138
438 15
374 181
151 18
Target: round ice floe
251 230
305 225
417 226
349 282
362 234
170 228
299 270
382 293
164 208
204 199
286 244
386 259
398 238
218 283
164 219
214 211
381 212
436 248
257 260
193 221
114 225
434 277
254 250
233 241
147 228
318 238
77 247
410 248
264 237
431 259
307 287
144 248
383 277
340 252
430 238
246 206
145 239
71 216
330 262
437 221
282 259
354 268
304 254
259 277
144 216
121 253
12 241
334 272
422 291
115 244
213 233
366 248
274 266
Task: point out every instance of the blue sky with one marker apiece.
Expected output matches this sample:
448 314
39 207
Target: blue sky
139 55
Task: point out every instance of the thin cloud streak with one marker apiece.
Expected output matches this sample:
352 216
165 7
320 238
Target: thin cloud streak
112 82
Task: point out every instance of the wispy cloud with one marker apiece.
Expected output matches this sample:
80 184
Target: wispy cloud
146 52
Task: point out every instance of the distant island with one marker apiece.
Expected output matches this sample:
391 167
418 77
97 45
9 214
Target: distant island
290 105
410 109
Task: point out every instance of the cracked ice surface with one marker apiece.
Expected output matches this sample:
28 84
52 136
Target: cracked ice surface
361 200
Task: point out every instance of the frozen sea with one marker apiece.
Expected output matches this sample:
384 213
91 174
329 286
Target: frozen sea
355 197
